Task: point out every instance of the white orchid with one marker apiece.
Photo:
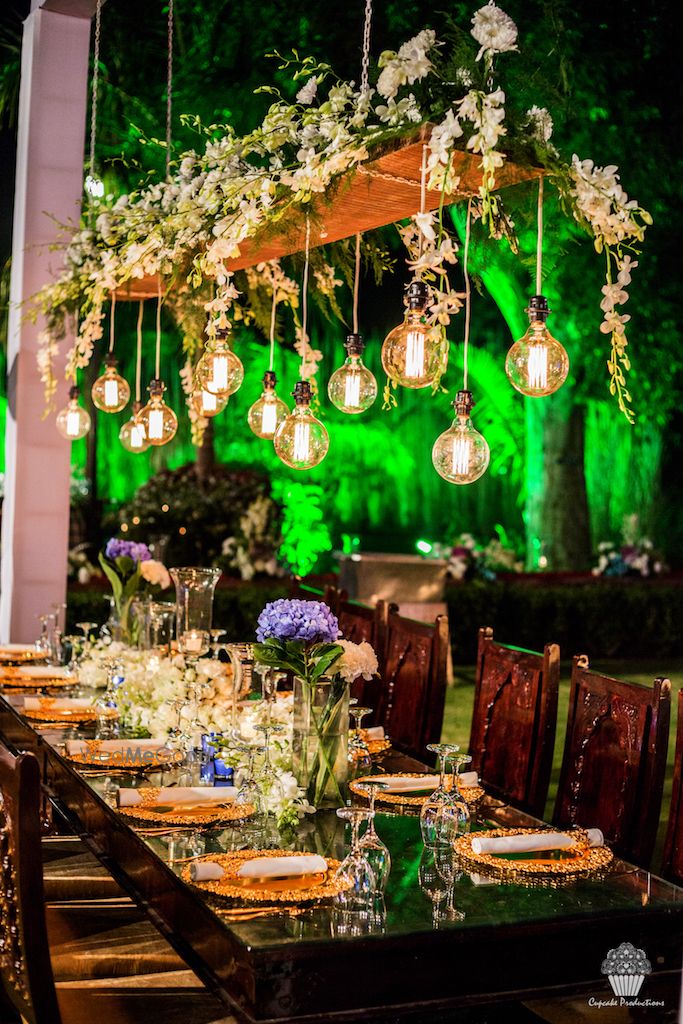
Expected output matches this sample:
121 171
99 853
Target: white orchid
494 30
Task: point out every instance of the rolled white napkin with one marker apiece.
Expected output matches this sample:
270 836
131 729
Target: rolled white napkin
44 672
468 779
57 703
375 732
478 879
396 784
17 648
267 867
180 795
533 843
205 871
116 746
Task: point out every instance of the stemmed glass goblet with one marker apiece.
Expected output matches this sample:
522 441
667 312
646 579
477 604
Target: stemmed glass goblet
457 762
358 751
432 883
439 812
270 784
355 869
250 792
375 850
216 644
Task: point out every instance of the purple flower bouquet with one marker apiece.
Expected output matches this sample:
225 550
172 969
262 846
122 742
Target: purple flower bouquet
126 564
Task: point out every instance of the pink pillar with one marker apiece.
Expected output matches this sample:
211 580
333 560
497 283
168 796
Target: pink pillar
49 181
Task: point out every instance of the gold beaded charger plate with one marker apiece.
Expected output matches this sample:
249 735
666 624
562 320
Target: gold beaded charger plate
20 657
61 716
579 861
152 811
376 747
471 794
106 761
312 888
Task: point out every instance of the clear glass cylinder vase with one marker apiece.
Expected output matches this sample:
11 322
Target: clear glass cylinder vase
320 739
194 589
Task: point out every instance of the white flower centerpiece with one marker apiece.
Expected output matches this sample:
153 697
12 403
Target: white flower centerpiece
303 637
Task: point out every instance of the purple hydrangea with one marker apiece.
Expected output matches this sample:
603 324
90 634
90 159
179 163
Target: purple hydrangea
126 549
310 621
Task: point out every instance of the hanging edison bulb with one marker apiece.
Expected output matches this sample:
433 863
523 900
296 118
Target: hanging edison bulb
132 434
352 388
111 391
158 420
219 370
461 454
208 405
537 364
73 422
412 354
301 441
268 411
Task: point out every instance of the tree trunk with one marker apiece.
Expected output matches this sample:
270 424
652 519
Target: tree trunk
564 515
206 455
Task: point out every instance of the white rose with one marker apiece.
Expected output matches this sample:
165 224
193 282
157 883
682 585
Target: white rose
155 572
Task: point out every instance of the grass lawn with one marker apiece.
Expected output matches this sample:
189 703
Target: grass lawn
456 726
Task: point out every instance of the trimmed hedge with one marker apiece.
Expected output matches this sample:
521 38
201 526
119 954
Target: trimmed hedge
236 607
604 619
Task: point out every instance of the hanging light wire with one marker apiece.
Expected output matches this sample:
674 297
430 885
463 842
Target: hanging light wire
356 285
112 312
467 294
169 87
272 323
539 238
365 62
95 83
138 358
304 298
157 362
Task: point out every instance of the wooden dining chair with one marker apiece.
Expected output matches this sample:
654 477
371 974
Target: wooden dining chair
672 861
412 691
360 622
26 963
513 721
614 759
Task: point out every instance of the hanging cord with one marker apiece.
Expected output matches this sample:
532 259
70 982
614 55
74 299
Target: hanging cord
272 324
365 62
304 299
157 363
138 358
169 88
112 311
356 284
539 238
95 81
467 294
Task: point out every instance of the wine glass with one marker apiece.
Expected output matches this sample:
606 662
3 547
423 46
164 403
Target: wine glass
250 792
88 629
457 762
359 753
374 849
270 784
355 869
216 645
432 883
439 813
444 859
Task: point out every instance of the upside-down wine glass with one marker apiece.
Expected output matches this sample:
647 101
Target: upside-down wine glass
269 782
355 869
457 762
444 859
359 752
250 792
439 813
372 846
432 883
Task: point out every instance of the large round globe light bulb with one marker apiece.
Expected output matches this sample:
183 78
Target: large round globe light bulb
537 364
268 411
301 441
412 354
159 421
352 388
219 370
110 392
73 421
461 454
132 434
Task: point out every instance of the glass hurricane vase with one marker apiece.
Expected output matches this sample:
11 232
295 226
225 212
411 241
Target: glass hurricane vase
320 738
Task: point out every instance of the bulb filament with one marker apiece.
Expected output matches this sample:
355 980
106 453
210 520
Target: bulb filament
156 424
538 366
302 442
111 392
352 391
73 423
269 418
461 456
209 402
219 381
137 436
415 354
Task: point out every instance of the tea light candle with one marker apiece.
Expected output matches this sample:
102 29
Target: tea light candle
192 642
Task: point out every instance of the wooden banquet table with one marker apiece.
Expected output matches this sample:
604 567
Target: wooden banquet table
512 942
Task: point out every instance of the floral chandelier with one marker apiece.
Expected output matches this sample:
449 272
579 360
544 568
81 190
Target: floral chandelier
189 231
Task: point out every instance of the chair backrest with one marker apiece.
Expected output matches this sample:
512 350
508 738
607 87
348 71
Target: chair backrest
513 721
359 622
25 967
413 686
614 759
672 862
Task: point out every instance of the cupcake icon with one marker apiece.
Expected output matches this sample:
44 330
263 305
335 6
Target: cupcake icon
626 968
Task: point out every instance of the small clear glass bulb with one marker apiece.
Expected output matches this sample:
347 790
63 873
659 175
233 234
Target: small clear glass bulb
537 364
301 441
413 353
132 434
111 391
158 420
73 421
461 454
207 404
268 411
352 388
219 370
